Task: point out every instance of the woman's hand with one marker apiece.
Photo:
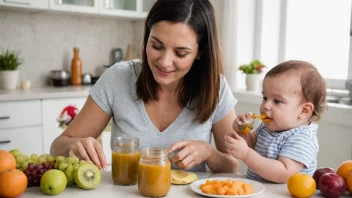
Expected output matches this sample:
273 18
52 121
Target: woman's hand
190 153
88 149
240 120
237 146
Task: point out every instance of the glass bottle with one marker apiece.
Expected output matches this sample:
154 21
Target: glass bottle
154 172
125 159
76 68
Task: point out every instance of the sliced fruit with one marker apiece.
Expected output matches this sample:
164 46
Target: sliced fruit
182 177
87 176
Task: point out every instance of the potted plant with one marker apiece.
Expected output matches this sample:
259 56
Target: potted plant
253 74
9 69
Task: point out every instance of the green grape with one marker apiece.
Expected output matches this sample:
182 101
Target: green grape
34 156
30 160
50 158
69 174
69 160
45 155
76 165
59 158
21 158
18 165
56 165
42 159
63 166
24 166
76 160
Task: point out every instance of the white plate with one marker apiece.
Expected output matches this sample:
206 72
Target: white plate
257 186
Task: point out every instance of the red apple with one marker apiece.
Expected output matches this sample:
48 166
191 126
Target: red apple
319 172
332 185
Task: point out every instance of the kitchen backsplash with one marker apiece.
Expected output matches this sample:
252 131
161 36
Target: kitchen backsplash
46 41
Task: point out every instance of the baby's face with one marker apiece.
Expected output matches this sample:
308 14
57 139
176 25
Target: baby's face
282 96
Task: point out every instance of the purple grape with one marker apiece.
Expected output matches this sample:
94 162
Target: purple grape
30 166
40 171
30 179
45 165
39 166
36 181
34 174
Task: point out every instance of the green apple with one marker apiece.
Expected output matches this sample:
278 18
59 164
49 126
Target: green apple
53 182
15 152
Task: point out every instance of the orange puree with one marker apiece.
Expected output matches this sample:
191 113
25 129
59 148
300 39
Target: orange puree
154 180
124 168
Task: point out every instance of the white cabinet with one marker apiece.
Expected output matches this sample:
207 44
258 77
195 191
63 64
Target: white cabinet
21 126
126 8
78 6
51 110
26 139
34 4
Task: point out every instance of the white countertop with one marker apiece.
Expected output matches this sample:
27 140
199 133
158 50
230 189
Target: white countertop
107 189
45 93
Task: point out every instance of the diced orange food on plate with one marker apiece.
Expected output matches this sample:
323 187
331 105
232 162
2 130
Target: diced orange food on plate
228 187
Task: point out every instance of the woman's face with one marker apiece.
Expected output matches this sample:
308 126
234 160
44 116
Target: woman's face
171 50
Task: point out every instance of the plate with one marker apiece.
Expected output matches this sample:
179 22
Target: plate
257 186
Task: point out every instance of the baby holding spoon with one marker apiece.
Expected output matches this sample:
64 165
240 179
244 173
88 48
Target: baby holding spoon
285 143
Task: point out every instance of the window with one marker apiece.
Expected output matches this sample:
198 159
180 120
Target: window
317 31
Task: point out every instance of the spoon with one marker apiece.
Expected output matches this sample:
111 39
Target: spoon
263 117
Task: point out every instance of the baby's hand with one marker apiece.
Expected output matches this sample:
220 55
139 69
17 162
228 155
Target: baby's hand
240 120
236 146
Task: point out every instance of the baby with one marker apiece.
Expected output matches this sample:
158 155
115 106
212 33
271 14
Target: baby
294 100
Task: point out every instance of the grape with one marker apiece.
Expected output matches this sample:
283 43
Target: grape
60 158
69 174
56 165
45 165
76 160
24 166
63 166
21 158
50 158
18 165
69 160
34 156
42 159
30 166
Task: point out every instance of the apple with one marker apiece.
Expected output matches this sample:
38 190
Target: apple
53 182
332 185
320 172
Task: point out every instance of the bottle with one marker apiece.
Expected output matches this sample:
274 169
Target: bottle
154 172
76 68
125 159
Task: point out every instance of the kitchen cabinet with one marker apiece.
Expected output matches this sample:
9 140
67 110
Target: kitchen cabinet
26 139
51 110
126 8
21 126
77 6
32 4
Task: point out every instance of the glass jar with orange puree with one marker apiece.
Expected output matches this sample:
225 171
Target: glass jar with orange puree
125 159
154 172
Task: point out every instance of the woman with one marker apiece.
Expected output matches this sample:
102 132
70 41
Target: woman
174 98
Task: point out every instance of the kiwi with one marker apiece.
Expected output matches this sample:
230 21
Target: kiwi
87 176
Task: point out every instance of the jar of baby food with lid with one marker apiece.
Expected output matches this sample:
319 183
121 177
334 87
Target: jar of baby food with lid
125 160
154 172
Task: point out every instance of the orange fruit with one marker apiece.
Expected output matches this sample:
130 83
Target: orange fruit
13 183
344 168
7 161
349 180
301 185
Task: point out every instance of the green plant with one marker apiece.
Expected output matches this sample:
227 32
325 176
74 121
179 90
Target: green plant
9 60
254 67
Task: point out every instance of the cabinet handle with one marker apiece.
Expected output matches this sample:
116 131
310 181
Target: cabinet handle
4 117
17 2
5 141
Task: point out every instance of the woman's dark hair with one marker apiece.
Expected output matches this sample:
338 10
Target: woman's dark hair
202 83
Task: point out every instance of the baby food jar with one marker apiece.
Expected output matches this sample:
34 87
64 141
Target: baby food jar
125 159
154 172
